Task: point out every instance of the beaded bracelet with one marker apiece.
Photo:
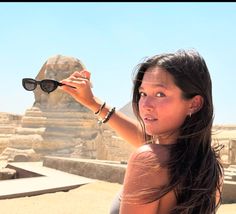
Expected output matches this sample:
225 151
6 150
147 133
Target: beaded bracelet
107 117
100 109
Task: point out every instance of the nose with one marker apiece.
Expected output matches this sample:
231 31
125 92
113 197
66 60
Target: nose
147 103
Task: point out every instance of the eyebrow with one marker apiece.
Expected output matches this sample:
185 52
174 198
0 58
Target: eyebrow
156 85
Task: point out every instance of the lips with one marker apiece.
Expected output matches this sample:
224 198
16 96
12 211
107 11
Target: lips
149 119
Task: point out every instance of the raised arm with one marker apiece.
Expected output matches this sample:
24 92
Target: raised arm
127 128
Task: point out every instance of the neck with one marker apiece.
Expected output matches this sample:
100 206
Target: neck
165 139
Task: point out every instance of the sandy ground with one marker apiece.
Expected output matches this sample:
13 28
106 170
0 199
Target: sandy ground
93 198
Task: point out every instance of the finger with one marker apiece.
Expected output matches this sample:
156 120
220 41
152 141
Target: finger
69 90
86 74
83 74
76 82
81 80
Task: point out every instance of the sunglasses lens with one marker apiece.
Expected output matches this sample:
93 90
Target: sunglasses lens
48 85
29 84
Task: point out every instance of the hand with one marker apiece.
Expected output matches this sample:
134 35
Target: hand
82 91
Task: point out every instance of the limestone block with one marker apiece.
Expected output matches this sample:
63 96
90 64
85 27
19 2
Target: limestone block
112 147
7 118
85 149
21 158
33 121
7 173
25 141
17 154
7 129
26 131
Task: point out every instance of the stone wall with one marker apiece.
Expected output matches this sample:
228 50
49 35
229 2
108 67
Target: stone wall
8 126
97 169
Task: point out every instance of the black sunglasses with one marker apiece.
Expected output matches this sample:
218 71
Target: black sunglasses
46 85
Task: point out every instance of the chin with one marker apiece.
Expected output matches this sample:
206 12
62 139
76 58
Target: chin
151 132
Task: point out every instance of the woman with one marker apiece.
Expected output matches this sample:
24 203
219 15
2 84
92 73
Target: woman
174 169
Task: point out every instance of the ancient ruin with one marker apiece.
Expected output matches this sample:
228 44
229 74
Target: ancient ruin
58 125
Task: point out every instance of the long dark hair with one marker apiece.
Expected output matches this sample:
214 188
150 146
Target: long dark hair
194 165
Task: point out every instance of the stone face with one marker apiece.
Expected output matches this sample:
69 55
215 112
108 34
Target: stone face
58 125
57 68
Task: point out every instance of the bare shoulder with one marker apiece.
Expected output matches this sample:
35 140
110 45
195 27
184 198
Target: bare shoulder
152 153
145 177
146 171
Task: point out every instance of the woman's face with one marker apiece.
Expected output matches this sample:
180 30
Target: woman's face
161 105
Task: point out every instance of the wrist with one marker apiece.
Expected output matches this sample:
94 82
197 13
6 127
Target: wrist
95 105
98 112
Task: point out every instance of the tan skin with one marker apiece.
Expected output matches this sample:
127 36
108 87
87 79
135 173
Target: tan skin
126 127
161 100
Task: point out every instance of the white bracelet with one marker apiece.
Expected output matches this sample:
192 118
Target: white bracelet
107 117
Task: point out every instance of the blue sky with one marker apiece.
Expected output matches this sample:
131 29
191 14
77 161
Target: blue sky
111 39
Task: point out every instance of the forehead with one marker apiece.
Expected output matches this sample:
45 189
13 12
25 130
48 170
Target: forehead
158 76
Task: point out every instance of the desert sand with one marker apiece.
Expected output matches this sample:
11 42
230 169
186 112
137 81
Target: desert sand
93 198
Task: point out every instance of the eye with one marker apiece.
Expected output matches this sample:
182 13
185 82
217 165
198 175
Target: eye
142 94
160 94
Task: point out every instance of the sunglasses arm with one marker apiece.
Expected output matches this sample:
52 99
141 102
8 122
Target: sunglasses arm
61 84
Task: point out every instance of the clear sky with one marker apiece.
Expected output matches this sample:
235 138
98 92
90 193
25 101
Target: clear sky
111 39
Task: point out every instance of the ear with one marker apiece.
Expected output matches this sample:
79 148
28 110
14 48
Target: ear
196 104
